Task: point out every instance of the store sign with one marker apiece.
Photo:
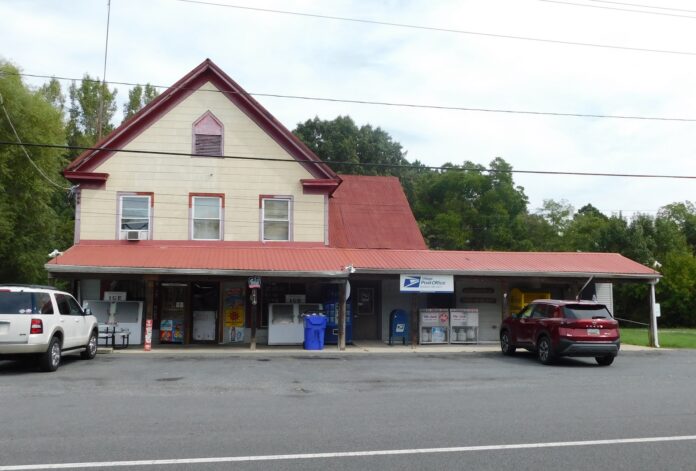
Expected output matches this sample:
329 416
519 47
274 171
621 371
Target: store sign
254 282
114 296
427 284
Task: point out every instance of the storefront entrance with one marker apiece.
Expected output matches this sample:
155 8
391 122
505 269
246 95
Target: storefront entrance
366 310
205 303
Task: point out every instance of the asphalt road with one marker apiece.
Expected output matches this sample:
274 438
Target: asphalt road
362 411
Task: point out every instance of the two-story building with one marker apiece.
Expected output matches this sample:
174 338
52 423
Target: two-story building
203 189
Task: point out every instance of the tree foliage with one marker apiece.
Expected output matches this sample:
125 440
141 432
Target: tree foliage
363 150
84 123
30 226
469 207
138 97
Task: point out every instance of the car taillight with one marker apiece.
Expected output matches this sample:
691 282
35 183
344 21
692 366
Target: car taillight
36 326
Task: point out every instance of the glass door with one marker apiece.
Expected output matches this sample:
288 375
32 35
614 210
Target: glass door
174 305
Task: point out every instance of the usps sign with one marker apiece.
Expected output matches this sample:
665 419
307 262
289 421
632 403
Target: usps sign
427 284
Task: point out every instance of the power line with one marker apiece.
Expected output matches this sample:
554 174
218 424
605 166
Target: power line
643 6
433 28
20 144
619 9
382 103
360 164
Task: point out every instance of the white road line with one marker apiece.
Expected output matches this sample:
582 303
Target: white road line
346 454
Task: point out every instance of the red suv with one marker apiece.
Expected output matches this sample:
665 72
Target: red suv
554 328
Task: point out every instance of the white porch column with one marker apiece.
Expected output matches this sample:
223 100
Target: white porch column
654 341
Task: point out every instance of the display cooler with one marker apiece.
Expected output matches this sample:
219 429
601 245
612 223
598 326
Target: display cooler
285 322
331 313
464 324
434 326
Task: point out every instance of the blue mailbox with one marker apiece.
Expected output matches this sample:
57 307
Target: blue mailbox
398 325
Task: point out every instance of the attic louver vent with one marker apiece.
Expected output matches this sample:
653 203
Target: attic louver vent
207 144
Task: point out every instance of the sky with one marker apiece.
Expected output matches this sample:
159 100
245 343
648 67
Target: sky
159 41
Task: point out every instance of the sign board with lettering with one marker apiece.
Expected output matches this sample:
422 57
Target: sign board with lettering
426 283
254 282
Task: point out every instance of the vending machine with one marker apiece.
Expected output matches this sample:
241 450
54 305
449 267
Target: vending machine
464 325
434 326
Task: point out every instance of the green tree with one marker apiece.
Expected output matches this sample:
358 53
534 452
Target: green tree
138 97
341 140
84 123
29 225
676 292
684 216
584 231
469 207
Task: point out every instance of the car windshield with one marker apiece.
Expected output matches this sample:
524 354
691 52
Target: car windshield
585 311
12 302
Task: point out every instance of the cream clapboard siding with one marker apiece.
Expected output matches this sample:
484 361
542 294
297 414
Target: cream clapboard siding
172 178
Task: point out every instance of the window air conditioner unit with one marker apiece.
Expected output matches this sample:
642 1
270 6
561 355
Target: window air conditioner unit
132 235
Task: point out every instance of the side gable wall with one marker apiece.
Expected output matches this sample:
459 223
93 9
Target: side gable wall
172 178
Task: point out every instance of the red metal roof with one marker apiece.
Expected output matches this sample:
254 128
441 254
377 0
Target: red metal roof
370 212
220 258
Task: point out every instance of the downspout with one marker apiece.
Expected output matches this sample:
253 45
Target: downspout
577 296
653 339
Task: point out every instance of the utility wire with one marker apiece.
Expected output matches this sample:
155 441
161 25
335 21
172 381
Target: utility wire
20 144
643 6
103 84
432 28
618 9
359 164
382 103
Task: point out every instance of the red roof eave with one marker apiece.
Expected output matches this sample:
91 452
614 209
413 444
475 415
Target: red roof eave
320 185
86 177
307 259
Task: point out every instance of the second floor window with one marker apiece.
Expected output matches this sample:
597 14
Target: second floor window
206 217
135 215
276 218
207 136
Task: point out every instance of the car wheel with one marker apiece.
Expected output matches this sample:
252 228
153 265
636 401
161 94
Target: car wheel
505 346
50 360
90 350
605 361
544 351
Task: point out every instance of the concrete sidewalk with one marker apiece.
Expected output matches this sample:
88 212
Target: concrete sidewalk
360 347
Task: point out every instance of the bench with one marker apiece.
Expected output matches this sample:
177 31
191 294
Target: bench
109 333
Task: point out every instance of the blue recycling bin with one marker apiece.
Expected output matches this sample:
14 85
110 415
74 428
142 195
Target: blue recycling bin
314 328
398 325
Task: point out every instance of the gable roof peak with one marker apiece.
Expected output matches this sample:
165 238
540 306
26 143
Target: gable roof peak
206 71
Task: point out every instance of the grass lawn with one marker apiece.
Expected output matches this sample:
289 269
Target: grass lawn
668 338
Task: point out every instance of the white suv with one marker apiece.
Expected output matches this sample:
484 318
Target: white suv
42 321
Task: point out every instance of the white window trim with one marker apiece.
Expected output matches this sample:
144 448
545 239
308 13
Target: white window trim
263 219
220 219
121 233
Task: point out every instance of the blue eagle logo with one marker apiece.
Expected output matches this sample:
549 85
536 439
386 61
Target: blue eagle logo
412 281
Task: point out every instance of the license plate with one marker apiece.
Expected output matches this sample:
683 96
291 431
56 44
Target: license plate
592 331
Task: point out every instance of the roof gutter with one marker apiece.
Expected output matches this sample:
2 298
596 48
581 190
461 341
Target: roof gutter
93 270
502 273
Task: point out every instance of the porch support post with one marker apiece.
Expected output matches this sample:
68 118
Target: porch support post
342 316
254 302
653 340
149 299
414 320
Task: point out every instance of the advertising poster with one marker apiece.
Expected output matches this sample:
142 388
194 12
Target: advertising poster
233 309
171 331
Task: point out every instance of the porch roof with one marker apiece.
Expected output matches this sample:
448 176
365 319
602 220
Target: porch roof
313 260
